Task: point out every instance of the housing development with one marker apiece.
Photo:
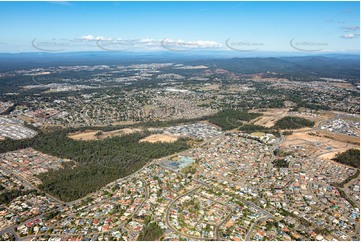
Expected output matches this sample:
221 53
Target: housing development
180 121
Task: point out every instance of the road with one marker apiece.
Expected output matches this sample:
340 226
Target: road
167 214
224 220
249 234
10 230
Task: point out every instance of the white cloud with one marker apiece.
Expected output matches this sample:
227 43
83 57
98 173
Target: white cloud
87 37
90 37
208 43
147 40
145 43
191 44
351 36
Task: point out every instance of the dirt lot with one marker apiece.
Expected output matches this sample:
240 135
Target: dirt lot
26 119
323 146
270 116
160 138
124 123
91 134
343 84
328 156
258 134
210 87
340 137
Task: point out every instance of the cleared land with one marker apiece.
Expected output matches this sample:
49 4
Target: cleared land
92 134
323 146
340 137
270 116
124 123
26 119
331 155
258 134
210 87
159 138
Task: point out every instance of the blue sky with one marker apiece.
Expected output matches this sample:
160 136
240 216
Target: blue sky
153 26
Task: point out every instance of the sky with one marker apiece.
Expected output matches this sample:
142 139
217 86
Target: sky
180 26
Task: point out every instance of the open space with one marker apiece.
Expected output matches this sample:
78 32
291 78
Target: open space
160 138
98 134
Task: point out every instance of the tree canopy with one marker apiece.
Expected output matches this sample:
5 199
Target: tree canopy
290 122
97 162
350 157
230 119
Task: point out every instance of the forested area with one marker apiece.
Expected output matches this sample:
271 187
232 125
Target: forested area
7 196
305 68
10 145
150 232
350 157
97 162
280 163
230 119
281 153
290 122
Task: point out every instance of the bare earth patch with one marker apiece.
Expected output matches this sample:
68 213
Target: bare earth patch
340 137
258 134
91 134
270 116
26 119
328 156
325 147
211 87
159 138
125 122
86 135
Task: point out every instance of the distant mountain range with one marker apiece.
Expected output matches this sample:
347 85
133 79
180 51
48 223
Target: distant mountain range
305 66
325 65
